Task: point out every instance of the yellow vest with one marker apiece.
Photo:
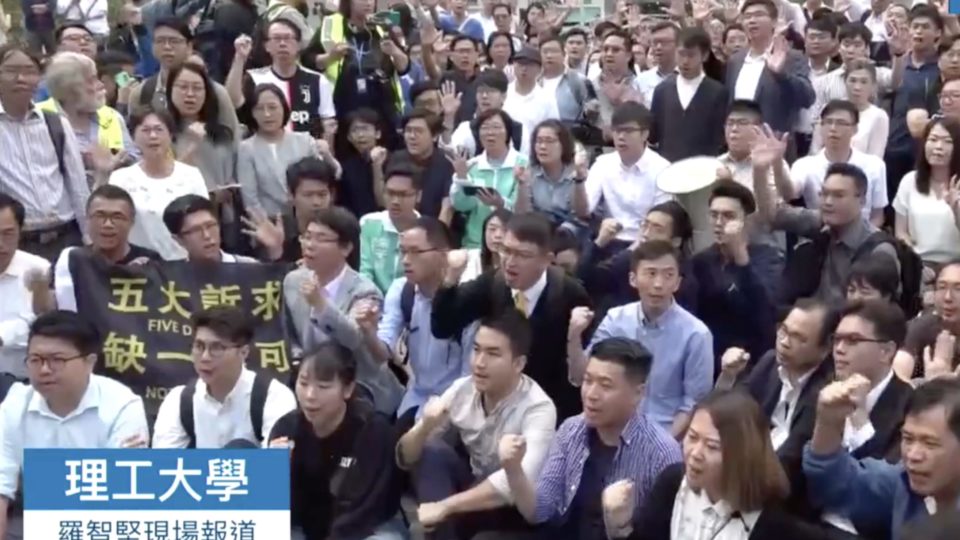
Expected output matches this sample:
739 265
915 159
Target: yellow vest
331 32
110 131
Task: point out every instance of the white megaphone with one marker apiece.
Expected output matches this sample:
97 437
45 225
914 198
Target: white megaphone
690 180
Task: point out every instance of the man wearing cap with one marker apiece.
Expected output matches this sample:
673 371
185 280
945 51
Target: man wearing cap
527 102
491 93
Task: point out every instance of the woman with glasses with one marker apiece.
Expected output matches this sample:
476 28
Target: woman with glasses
730 486
926 205
155 181
488 181
264 158
554 183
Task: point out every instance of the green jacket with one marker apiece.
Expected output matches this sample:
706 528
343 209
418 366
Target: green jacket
482 174
379 249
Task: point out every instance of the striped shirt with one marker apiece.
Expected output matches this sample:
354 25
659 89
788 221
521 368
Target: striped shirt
645 450
30 172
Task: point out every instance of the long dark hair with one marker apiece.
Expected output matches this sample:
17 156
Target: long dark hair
210 111
923 166
486 256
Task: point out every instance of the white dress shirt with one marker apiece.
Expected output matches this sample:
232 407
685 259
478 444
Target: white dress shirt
786 407
808 174
648 81
749 78
532 295
628 191
216 423
16 311
108 414
532 108
687 88
694 517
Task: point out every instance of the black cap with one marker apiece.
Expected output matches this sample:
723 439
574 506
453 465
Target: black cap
493 78
527 55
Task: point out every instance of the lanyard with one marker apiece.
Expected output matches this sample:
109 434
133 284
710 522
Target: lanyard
361 53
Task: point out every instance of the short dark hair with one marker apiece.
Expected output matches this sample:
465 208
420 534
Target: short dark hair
271 88
492 78
831 317
176 24
515 327
531 227
575 31
297 34
364 115
855 30
342 222
434 124
735 27
622 34
823 24
770 6
457 38
631 111
68 326
878 270
436 231
163 115
403 169
939 392
629 353
729 189
694 38
310 168
564 240
227 322
328 361
502 5
746 107
568 146
653 250
682 226
666 25
15 206
850 171
14 47
550 36
886 317
835 105
926 11
58 34
177 211
108 192
420 87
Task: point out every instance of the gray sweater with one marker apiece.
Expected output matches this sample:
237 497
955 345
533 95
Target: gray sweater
262 171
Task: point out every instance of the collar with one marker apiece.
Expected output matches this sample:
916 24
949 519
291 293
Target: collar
801 382
533 293
332 288
509 162
691 82
522 386
388 224
633 431
728 158
17 266
244 382
852 233
33 111
637 164
702 504
227 257
90 400
874 394
539 173
660 321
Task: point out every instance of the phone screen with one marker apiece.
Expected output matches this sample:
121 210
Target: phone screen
471 191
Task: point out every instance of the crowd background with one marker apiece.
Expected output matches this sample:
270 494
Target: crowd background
506 316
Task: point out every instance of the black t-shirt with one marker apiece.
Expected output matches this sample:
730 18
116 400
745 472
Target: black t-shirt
355 192
137 252
586 511
436 177
308 92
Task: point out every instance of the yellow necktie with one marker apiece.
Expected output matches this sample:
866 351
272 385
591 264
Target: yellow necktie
520 300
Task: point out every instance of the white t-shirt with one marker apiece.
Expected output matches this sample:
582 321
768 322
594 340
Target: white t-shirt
151 197
808 174
872 131
930 221
531 109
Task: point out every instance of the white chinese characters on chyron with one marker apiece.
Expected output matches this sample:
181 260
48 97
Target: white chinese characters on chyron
225 478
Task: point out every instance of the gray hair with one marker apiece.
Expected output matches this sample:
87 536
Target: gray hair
65 72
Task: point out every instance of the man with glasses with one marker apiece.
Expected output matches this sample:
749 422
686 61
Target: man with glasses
464 54
308 92
933 335
526 281
421 129
838 125
192 221
327 300
42 166
380 231
64 406
616 83
228 402
75 37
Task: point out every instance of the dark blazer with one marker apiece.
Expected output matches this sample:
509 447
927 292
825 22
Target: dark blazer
656 514
887 419
695 131
454 308
780 96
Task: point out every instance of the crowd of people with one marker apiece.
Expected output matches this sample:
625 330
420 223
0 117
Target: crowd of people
505 323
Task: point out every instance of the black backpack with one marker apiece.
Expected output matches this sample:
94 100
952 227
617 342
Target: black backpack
801 276
258 399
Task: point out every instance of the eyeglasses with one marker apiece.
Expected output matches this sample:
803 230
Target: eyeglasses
20 71
836 122
55 363
214 349
190 88
211 228
171 41
308 238
116 219
394 194
510 253
414 252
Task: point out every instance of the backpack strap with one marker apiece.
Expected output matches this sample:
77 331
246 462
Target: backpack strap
407 297
186 412
147 91
258 401
59 138
872 242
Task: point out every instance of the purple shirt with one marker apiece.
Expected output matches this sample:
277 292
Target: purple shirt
645 449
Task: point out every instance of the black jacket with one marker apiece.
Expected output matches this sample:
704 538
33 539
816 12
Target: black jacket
454 308
655 516
346 485
680 133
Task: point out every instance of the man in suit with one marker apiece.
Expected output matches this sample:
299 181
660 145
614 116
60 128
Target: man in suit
689 108
526 281
864 345
327 300
768 71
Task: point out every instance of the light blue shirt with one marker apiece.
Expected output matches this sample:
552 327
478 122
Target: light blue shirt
436 363
682 348
108 414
